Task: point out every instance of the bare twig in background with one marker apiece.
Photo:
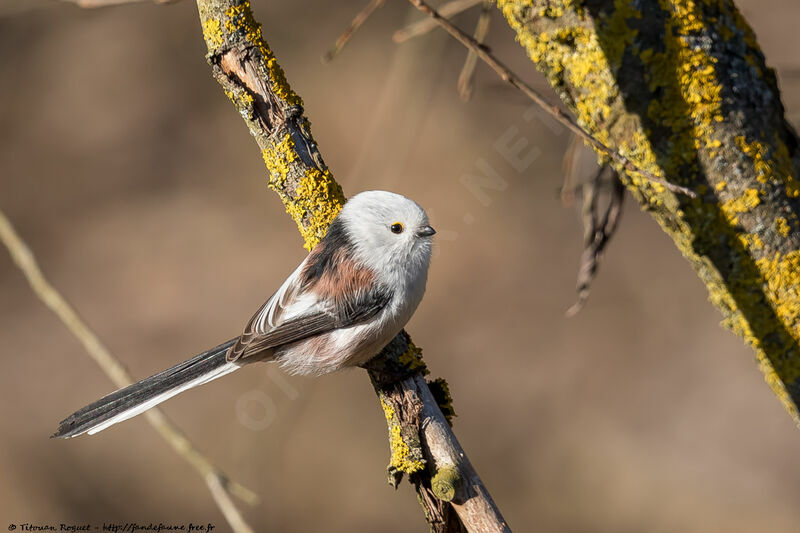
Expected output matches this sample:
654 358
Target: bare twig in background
91 4
570 166
425 25
597 228
217 486
220 486
466 79
415 60
422 443
597 231
507 75
356 23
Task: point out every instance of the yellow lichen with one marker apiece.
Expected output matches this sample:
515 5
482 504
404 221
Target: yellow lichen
782 287
782 227
239 20
441 392
278 159
412 359
584 68
751 240
782 277
582 52
743 204
771 165
212 33
243 101
580 59
619 24
690 102
317 198
401 457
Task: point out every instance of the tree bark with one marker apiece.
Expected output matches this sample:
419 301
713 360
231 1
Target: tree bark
681 88
421 441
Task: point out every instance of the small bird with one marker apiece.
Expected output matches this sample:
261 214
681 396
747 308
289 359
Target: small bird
348 298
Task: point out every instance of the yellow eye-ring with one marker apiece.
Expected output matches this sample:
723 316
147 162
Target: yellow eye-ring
397 228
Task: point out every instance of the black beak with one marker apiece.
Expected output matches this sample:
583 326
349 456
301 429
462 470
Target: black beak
425 231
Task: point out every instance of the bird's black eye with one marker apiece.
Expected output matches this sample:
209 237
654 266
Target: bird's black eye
397 228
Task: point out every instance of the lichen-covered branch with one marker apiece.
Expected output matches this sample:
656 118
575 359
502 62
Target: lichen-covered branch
419 414
422 443
253 80
681 88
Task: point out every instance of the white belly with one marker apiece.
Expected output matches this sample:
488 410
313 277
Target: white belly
345 347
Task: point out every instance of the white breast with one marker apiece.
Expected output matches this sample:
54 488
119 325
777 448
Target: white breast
350 346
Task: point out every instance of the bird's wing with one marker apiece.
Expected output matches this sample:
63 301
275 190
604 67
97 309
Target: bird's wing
317 322
269 315
299 310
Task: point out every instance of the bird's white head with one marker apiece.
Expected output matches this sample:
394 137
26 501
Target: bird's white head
389 231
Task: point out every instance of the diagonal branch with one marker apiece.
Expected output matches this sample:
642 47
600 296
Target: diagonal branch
569 167
449 9
218 483
683 89
422 443
507 75
358 21
467 77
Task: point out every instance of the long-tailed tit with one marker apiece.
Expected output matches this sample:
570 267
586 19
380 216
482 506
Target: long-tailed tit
350 296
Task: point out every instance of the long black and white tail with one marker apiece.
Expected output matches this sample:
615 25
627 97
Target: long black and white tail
139 397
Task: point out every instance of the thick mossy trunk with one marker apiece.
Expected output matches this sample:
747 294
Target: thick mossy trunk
253 80
681 88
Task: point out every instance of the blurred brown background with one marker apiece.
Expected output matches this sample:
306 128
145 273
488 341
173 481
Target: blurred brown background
143 196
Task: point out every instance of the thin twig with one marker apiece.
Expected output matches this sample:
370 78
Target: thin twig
426 25
356 23
597 231
507 75
222 488
570 166
219 490
466 80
